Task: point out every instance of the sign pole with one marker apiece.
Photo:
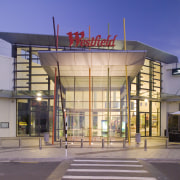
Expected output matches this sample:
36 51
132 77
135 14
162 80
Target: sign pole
124 34
127 84
89 32
65 134
90 129
54 108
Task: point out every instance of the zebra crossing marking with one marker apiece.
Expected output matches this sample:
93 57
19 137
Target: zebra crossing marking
77 164
108 177
110 165
107 170
93 160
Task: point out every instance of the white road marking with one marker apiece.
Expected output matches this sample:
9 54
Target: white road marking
107 170
109 177
90 160
106 165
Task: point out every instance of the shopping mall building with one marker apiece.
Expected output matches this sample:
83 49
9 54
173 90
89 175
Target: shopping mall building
93 88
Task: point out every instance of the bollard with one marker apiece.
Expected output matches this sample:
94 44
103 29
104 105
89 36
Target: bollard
167 143
124 143
110 142
19 142
60 143
145 144
102 143
40 144
81 143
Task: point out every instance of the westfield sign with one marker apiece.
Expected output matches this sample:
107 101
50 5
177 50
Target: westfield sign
79 40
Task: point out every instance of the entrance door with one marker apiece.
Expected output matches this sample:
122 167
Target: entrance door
39 118
144 124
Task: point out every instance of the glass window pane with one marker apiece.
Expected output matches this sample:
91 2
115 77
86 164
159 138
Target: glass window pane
157 83
155 124
156 93
145 69
144 85
133 89
157 68
146 62
156 107
157 75
133 123
69 95
144 93
144 77
144 106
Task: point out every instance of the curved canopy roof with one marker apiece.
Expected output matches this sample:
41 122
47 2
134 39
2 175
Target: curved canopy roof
77 63
48 40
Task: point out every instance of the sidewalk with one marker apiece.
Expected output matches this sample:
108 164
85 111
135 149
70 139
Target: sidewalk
156 150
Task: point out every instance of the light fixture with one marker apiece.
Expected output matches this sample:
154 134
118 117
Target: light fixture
38 98
146 100
39 94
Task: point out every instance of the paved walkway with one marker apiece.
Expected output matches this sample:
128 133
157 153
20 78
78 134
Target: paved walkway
156 150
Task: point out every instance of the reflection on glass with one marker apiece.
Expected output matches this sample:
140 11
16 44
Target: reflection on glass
104 128
23 118
77 106
144 106
144 124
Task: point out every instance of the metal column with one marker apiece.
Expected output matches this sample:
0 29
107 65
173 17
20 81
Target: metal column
90 128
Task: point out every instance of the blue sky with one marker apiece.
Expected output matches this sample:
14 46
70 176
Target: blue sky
153 22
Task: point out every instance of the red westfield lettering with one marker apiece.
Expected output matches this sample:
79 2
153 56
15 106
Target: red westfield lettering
79 40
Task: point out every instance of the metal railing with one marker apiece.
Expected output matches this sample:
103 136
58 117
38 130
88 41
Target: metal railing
79 142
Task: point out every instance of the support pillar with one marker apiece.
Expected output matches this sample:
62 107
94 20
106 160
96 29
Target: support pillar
127 90
90 126
108 110
54 108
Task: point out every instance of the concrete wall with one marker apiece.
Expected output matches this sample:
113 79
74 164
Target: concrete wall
8 114
170 83
6 73
166 108
5 48
7 105
170 86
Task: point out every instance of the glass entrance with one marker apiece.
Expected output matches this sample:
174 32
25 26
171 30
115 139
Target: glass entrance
108 111
39 118
144 124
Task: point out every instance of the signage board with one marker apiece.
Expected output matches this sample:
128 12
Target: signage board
79 40
176 71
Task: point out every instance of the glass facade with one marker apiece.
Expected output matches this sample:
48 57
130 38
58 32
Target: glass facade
33 117
106 108
145 100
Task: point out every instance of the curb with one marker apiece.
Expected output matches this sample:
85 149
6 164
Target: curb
34 159
158 160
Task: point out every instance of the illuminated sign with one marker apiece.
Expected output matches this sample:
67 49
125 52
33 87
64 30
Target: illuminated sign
176 71
79 40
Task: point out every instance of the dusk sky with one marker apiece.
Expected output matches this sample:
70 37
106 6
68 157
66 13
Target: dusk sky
152 22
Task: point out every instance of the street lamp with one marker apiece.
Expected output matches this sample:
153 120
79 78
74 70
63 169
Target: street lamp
38 97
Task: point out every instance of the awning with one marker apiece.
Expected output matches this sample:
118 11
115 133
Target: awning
176 113
77 63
